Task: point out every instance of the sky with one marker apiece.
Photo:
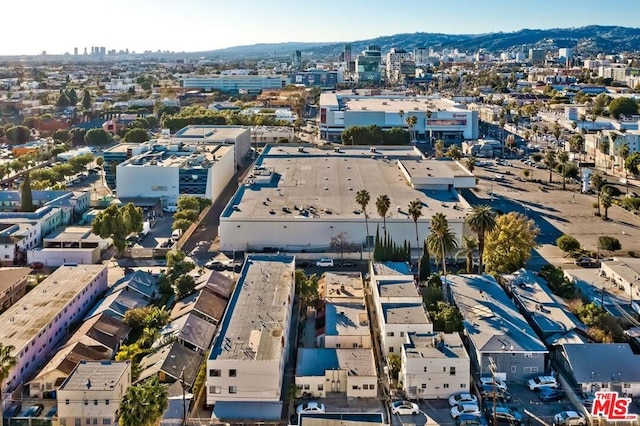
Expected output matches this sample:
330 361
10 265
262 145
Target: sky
197 25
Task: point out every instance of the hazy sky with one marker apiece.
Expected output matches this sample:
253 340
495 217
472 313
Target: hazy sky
32 26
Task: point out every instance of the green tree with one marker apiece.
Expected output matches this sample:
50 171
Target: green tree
415 211
395 364
576 143
73 97
441 239
597 181
136 136
606 201
509 245
306 289
563 157
632 163
550 161
86 100
481 221
412 120
182 224
622 105
144 403
18 134
117 223
129 352
425 263
26 197
568 244
623 152
187 202
100 161
7 363
61 135
183 286
362 199
382 205
97 137
471 164
454 153
608 243
63 100
177 264
439 148
468 248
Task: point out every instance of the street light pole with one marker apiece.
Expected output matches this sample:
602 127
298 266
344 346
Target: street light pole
493 368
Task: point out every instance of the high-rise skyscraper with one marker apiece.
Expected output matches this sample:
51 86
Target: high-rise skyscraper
75 51
347 53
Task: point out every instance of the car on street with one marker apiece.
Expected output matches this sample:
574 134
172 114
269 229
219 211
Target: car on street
53 411
488 380
471 420
304 264
586 262
541 382
170 209
404 408
462 398
33 411
504 414
310 407
324 263
216 265
551 394
460 409
569 418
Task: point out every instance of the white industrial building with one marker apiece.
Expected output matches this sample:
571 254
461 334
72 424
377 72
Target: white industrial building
298 198
92 393
438 118
40 320
434 365
399 306
234 83
247 361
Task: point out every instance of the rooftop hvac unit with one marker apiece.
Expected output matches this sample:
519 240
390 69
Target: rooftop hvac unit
372 149
300 149
399 209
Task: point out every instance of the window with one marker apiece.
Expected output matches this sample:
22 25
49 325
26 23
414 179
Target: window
390 334
106 402
106 421
233 373
354 387
214 373
95 402
452 371
514 369
215 389
233 389
463 385
446 385
372 387
95 421
423 386
444 369
86 402
338 345
402 334
424 369
391 349
78 422
320 387
355 345
528 355
365 387
306 387
66 401
88 421
530 369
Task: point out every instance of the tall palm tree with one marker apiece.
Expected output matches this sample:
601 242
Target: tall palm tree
607 202
412 120
439 147
597 181
144 403
471 163
415 211
623 152
382 205
550 161
401 114
482 221
441 239
7 363
563 157
363 198
468 249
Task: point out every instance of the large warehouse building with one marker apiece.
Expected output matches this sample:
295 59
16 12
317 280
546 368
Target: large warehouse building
437 118
298 198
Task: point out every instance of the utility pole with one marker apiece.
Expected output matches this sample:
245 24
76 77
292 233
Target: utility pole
184 398
494 368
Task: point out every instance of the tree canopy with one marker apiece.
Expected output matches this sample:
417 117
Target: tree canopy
18 134
508 247
622 105
97 137
136 135
117 223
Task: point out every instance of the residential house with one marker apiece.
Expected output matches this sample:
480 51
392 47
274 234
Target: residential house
104 332
204 303
496 331
434 366
117 302
190 330
92 393
324 370
141 282
171 363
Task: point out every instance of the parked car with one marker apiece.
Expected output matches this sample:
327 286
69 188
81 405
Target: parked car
12 410
404 408
569 418
304 264
325 263
489 392
587 400
541 382
470 420
462 398
551 394
170 209
310 407
460 409
488 380
216 265
504 414
33 411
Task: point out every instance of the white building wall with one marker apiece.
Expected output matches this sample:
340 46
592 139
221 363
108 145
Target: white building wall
57 257
221 174
312 386
347 342
254 381
147 181
356 386
437 381
395 335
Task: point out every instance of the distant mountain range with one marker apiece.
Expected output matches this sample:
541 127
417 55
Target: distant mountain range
592 39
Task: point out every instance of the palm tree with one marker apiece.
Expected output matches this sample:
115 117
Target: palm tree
401 114
439 147
597 181
563 157
415 211
469 247
550 161
482 221
471 163
412 120
607 202
363 198
454 152
382 205
7 363
144 403
441 239
149 335
623 152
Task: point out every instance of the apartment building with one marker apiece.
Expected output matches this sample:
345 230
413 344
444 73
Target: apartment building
40 320
246 363
92 393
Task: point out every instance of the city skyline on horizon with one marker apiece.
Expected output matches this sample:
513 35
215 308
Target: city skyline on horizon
203 25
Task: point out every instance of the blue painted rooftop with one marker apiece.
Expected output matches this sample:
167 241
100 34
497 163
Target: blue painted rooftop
247 410
315 361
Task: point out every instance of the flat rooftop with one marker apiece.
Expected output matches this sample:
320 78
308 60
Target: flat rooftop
396 103
628 269
210 133
404 314
96 376
254 323
434 168
341 286
11 276
122 147
399 287
491 319
346 319
316 361
25 319
391 268
73 233
319 183
435 345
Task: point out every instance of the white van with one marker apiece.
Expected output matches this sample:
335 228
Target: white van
176 234
325 263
